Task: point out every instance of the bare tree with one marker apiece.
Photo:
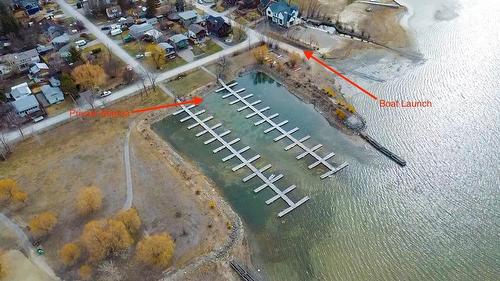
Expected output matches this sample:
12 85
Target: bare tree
109 272
222 66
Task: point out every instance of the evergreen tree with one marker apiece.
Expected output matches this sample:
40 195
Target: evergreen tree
75 54
8 22
151 8
179 5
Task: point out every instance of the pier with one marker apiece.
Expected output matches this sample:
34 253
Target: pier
279 128
401 162
267 181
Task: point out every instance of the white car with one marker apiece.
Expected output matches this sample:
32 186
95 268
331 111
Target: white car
105 94
81 43
139 56
116 31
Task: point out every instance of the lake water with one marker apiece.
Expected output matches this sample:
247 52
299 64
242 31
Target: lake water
436 219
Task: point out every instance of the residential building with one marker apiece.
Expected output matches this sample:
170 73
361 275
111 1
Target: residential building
114 12
30 6
218 27
188 17
169 49
19 91
54 82
153 35
179 41
26 105
39 69
138 30
282 14
197 33
21 61
52 94
43 49
4 69
60 41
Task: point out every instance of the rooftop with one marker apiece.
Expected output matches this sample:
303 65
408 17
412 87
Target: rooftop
187 15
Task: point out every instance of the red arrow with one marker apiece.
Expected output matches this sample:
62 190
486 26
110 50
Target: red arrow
309 55
195 100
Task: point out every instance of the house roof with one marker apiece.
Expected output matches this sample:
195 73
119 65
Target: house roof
52 94
178 38
20 90
38 66
25 103
44 48
139 29
165 46
154 33
188 15
29 54
54 82
216 21
196 28
282 7
63 39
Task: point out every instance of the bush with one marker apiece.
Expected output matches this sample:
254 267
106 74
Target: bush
89 200
156 250
85 272
69 254
130 219
41 224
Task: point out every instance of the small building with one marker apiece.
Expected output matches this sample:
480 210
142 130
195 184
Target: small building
19 91
114 12
153 35
179 41
39 69
197 33
21 61
30 6
282 14
218 27
52 94
169 49
43 49
188 17
54 30
26 105
138 30
60 41
54 82
4 69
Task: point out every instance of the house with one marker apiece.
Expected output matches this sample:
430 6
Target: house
19 91
26 105
282 14
4 69
179 41
153 35
21 61
43 49
54 82
30 6
138 30
169 49
217 26
39 69
60 41
54 30
52 94
114 12
197 33
188 17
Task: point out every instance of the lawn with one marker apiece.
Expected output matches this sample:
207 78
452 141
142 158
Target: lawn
56 109
189 82
135 47
205 49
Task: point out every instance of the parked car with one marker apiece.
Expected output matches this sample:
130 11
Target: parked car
105 94
81 43
38 119
116 31
139 56
128 38
105 28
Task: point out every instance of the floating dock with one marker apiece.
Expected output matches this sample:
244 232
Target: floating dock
279 127
267 181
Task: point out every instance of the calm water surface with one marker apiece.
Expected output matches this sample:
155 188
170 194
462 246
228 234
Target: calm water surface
436 219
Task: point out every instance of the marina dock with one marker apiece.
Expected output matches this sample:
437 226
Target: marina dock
267 181
250 105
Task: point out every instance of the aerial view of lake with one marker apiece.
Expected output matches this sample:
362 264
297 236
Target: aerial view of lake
438 218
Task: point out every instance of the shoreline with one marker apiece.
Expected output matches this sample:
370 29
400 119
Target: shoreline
235 245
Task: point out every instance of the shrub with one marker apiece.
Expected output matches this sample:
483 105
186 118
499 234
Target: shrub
69 254
156 250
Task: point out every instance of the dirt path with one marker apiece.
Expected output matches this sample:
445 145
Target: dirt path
128 173
25 243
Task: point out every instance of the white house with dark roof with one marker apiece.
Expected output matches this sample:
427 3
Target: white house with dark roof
282 14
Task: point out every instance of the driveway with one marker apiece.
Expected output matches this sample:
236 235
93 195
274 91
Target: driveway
186 55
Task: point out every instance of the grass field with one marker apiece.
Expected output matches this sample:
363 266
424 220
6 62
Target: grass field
190 82
207 48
